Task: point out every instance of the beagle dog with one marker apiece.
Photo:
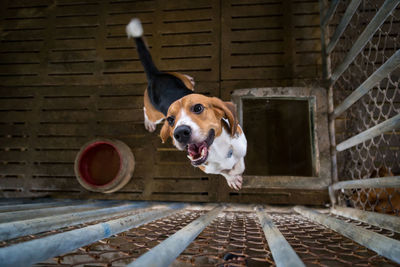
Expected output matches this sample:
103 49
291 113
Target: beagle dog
206 127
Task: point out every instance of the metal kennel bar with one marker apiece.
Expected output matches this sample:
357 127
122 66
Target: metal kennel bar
43 205
15 229
361 50
351 9
386 126
380 220
282 252
329 13
194 235
390 65
167 251
30 214
30 252
381 182
387 247
387 7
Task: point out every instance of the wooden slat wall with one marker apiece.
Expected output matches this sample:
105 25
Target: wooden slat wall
69 74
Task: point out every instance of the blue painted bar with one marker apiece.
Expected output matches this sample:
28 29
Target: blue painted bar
28 227
282 252
44 212
384 246
168 250
39 205
34 251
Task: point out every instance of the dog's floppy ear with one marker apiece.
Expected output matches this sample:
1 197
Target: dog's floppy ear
165 132
226 110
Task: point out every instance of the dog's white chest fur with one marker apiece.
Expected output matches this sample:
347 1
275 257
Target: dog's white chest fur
225 153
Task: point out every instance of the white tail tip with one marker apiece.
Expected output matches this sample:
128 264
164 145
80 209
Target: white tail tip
134 28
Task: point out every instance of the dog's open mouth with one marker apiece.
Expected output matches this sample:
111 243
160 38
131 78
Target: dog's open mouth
198 152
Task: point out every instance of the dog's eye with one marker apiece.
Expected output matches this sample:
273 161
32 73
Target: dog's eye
171 120
198 108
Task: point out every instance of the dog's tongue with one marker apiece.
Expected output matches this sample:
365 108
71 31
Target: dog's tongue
194 150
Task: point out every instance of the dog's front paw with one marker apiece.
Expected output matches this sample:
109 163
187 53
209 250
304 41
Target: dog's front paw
150 126
235 182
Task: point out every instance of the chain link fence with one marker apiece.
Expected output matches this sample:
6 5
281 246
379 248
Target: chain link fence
380 156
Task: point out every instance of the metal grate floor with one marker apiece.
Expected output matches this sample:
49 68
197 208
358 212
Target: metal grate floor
235 232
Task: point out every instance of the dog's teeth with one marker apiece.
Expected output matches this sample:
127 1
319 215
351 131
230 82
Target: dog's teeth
190 157
203 152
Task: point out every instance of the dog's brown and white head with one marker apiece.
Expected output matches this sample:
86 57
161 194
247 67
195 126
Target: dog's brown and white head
194 121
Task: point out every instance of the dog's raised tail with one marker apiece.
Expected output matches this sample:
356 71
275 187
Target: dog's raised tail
134 29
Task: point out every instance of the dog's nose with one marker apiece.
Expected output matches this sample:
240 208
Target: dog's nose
182 134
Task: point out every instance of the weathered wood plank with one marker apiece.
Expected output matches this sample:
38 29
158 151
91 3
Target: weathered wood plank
20 58
27 24
66 116
131 7
120 66
180 186
120 115
257 35
264 47
60 33
60 142
15 116
253 11
186 64
16 104
124 18
64 11
256 73
177 170
72 67
60 45
256 60
307 8
27 12
243 23
187 27
77 21
72 56
23 35
23 3
13 156
185 4
206 37
33 46
14 142
54 169
169 17
189 197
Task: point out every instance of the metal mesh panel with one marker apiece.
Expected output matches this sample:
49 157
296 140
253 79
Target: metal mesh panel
317 245
380 156
121 249
234 233
231 233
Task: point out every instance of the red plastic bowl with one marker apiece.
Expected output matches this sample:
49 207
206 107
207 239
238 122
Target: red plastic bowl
104 165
